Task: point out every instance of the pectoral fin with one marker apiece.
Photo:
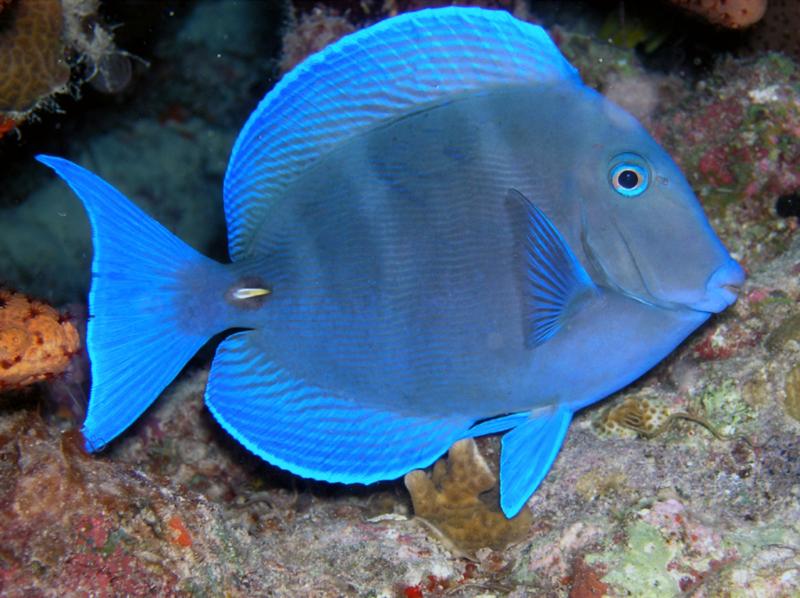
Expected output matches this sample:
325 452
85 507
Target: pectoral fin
527 453
552 280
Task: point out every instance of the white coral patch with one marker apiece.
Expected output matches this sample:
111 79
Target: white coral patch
765 95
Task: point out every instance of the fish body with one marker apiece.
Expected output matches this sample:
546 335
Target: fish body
404 252
436 231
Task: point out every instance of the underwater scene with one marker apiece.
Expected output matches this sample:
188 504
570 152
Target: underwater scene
402 298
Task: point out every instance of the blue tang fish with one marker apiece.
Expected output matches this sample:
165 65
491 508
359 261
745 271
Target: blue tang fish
436 231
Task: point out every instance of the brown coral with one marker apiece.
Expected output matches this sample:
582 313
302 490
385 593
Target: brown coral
32 54
458 503
40 43
36 342
638 416
632 416
733 14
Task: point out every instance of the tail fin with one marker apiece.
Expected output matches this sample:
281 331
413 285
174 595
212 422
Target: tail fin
139 337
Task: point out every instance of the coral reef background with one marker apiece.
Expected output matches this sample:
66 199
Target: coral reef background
684 484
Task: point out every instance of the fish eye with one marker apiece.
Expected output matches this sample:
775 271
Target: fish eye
628 178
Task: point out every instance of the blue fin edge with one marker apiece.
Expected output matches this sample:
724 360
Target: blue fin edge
134 342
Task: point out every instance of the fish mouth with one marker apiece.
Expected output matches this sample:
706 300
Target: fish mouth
722 288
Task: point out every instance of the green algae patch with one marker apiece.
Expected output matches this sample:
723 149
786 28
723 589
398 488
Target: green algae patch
725 408
641 567
752 542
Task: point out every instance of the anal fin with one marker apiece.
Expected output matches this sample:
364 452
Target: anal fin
314 433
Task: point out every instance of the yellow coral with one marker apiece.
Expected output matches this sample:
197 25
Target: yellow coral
32 54
36 342
458 503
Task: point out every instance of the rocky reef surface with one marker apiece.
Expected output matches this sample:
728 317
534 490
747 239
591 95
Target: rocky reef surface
686 483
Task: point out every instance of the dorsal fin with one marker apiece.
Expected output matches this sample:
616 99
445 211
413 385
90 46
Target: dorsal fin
376 74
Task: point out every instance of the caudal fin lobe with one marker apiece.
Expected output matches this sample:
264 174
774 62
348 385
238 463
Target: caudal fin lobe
139 336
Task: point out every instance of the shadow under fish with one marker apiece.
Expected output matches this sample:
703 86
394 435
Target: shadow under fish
436 232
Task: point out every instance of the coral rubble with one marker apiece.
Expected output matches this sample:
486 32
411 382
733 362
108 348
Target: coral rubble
36 342
792 390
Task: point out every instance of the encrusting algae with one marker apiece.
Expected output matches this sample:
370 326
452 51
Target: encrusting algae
36 341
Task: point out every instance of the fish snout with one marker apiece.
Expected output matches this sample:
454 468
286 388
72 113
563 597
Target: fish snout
722 288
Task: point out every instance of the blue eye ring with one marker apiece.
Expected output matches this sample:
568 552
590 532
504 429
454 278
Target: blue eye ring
629 179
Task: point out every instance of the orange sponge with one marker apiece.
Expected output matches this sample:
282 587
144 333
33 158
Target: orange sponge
32 54
36 342
733 14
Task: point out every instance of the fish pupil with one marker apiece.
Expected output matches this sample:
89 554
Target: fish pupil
628 179
628 176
